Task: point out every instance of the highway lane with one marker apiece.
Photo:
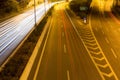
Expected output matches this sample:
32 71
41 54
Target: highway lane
96 43
106 30
65 56
14 30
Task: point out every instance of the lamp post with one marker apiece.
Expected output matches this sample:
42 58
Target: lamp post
35 12
45 6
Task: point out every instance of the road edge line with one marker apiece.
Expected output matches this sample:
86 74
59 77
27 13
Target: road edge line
30 63
37 69
114 74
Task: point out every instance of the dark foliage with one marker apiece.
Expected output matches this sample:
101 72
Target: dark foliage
8 6
23 3
14 68
75 6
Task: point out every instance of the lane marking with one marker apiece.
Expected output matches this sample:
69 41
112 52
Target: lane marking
65 50
107 75
39 62
63 34
112 71
103 66
31 61
100 59
100 72
107 40
68 75
114 53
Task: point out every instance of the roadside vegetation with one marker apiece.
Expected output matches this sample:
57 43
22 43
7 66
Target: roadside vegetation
14 68
116 11
81 8
10 8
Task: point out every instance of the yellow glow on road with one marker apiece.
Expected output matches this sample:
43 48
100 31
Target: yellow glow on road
102 5
31 3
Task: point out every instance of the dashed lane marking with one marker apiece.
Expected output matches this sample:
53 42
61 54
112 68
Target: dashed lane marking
63 34
68 75
61 26
39 62
107 40
114 53
65 51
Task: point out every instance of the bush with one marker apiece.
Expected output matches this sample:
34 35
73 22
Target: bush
75 6
23 3
8 6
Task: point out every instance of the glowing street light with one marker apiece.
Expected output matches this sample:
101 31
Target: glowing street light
45 6
35 12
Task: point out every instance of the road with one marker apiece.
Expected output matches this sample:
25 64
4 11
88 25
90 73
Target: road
106 29
14 30
72 50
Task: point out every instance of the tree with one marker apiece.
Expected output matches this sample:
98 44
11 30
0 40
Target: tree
8 5
23 3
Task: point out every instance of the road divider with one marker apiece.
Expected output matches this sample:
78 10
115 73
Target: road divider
65 51
107 40
39 62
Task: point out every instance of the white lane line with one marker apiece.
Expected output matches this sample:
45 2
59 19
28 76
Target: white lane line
31 61
65 51
39 62
107 40
63 34
114 53
68 75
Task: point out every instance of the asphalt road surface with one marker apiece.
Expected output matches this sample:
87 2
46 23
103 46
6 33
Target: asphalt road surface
72 50
106 28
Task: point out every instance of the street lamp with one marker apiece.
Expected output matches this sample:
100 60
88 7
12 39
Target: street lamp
35 12
45 6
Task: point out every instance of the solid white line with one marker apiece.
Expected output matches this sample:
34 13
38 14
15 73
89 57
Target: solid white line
107 40
31 61
68 75
114 53
65 51
39 63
